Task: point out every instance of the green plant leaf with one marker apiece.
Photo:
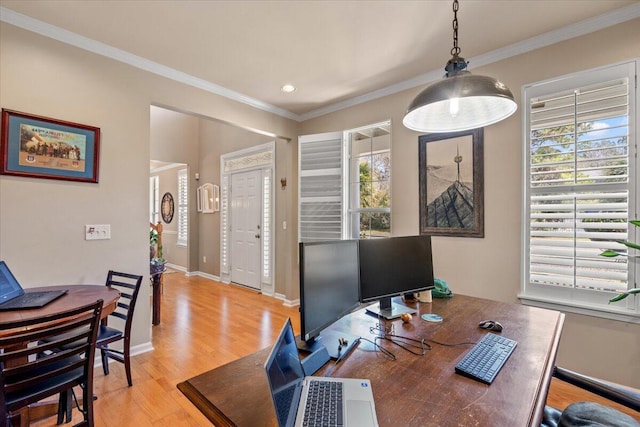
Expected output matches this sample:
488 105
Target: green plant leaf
631 245
623 295
610 253
635 222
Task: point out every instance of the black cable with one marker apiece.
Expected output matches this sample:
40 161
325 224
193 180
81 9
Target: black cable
377 347
406 346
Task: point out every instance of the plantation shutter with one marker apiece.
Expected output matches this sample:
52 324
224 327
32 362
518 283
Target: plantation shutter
578 186
182 207
320 172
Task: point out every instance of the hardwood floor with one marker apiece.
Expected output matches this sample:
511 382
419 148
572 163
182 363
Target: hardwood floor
204 324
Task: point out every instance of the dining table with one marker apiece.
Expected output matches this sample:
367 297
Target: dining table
76 296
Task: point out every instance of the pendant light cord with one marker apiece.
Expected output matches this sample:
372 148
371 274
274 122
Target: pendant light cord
455 50
457 63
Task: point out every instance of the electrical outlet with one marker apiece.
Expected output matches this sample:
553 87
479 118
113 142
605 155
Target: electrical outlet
204 259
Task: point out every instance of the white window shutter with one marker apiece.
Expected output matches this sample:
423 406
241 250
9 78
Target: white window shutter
320 187
581 189
183 206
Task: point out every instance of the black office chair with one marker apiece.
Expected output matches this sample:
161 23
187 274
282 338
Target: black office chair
32 368
582 413
128 285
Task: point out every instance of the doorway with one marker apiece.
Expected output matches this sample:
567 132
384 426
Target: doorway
246 208
247 217
168 181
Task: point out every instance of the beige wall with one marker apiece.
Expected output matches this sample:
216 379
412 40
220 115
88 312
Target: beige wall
42 221
175 138
491 267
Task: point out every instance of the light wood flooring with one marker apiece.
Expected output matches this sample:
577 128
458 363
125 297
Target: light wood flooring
204 324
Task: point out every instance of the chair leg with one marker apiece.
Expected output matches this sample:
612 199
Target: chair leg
65 407
105 362
87 409
127 368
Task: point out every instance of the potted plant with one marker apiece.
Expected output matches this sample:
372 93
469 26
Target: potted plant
613 253
157 262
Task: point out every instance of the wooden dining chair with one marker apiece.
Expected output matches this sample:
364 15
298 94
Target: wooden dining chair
32 367
128 285
592 413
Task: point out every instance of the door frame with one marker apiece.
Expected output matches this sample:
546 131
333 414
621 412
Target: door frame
261 157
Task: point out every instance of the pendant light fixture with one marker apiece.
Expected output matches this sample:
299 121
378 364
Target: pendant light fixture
461 100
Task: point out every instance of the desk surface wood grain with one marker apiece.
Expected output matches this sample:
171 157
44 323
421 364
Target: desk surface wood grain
411 390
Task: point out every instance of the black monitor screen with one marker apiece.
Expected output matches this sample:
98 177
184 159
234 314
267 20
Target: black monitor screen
329 284
395 265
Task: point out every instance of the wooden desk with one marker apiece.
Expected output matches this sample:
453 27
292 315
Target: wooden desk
77 295
412 390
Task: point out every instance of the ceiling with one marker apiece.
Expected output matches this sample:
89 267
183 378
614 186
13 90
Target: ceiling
337 53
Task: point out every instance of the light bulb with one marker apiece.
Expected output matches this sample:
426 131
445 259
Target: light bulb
454 106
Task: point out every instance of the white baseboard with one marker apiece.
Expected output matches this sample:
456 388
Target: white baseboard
207 276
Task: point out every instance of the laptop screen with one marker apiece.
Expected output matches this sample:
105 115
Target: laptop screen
285 375
9 286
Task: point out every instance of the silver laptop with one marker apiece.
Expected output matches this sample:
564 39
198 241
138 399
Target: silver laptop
13 297
297 398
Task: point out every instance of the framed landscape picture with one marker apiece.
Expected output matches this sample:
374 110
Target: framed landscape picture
452 184
41 147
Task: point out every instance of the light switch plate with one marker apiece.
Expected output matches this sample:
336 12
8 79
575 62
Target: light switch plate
97 231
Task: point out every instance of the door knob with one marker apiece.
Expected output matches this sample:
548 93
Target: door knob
257 236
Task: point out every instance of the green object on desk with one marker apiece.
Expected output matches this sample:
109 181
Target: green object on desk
441 289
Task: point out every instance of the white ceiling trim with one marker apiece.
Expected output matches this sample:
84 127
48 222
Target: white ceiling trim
25 22
584 27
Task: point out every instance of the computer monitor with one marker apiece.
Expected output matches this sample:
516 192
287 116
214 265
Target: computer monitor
329 289
394 266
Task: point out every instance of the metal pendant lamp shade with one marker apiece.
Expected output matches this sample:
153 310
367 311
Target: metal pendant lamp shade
461 100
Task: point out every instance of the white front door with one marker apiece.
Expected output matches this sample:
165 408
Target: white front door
246 206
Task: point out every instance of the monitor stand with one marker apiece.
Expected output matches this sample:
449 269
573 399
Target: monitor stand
330 340
389 310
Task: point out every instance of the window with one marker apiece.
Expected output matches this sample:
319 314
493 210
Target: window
345 184
183 191
370 182
580 190
154 199
266 226
320 196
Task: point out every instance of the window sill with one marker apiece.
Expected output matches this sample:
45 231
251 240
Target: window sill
620 315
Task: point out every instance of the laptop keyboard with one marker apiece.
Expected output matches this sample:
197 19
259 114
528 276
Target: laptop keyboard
25 300
324 404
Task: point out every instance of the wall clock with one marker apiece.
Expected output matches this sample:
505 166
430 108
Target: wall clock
166 208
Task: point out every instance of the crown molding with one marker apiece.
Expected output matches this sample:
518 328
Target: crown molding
575 30
39 27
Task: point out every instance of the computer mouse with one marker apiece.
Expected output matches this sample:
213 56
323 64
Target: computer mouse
491 325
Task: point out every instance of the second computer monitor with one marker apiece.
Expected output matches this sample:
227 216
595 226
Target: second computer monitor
394 266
